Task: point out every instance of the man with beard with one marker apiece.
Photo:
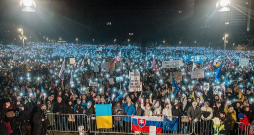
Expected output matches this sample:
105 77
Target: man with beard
217 109
226 122
40 121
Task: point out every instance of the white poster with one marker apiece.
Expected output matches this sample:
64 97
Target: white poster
215 90
15 57
198 74
111 81
243 62
172 64
92 83
135 87
72 60
135 76
206 86
88 61
152 130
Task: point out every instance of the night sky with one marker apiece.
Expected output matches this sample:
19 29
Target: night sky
151 21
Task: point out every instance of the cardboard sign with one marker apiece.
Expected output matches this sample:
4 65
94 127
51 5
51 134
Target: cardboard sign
177 75
172 64
72 60
198 74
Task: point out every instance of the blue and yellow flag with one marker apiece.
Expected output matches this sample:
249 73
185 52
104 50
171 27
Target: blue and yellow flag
103 116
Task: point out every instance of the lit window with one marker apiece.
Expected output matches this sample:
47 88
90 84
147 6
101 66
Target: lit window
108 23
130 34
180 12
226 23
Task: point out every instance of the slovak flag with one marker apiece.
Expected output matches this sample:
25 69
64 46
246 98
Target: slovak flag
231 63
117 59
61 73
154 65
86 54
143 124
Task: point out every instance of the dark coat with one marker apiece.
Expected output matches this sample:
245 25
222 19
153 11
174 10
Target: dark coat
3 128
40 127
194 113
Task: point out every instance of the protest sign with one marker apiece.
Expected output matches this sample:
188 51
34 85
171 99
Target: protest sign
72 60
119 79
111 81
15 57
88 61
243 62
105 65
96 68
172 64
92 83
135 84
177 75
135 87
215 90
198 74
206 86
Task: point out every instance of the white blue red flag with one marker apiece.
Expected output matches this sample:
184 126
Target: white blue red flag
143 124
61 73
154 65
117 59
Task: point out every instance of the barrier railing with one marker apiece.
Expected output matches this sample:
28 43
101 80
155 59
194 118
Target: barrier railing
121 124
67 122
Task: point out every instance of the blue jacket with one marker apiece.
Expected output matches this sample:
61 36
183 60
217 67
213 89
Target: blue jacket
129 110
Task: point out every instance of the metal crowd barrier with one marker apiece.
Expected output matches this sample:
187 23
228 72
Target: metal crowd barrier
87 124
67 122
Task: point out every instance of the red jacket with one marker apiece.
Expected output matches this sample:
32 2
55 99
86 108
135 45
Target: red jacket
246 122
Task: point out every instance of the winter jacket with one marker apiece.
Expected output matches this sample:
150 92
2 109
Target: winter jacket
116 110
227 125
157 110
167 112
147 111
128 110
194 113
177 112
216 111
246 122
3 128
207 113
231 116
40 127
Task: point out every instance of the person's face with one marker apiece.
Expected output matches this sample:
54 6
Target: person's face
238 105
206 105
167 106
194 105
43 107
59 100
247 109
231 109
70 103
222 115
218 105
78 102
118 104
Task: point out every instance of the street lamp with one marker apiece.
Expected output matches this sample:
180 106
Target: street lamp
225 44
23 41
114 41
77 40
164 41
27 5
223 5
93 41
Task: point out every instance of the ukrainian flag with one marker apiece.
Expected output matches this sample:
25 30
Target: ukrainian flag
103 116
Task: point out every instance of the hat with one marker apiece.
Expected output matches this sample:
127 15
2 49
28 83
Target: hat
240 116
78 99
207 103
223 113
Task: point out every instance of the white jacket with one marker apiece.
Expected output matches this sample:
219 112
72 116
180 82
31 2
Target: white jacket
168 112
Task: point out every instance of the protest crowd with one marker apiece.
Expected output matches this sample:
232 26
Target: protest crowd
188 83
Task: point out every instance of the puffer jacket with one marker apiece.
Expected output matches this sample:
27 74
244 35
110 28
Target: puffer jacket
194 113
